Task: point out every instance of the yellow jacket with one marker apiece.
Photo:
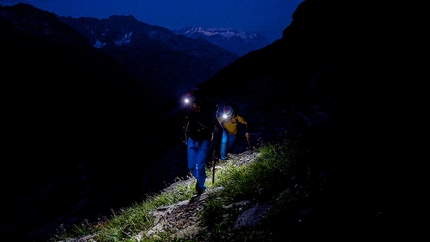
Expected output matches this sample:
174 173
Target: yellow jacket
231 123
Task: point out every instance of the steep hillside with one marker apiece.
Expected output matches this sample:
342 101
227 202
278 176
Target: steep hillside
71 112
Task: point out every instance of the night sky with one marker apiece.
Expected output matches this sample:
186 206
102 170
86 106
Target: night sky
272 16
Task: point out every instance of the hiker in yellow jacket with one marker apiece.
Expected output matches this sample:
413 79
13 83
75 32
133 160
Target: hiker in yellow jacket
229 122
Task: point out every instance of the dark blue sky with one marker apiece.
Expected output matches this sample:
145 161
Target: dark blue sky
248 15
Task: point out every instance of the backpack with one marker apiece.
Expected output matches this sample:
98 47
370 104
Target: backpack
200 126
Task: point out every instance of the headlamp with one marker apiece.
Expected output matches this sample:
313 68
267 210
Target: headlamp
189 100
228 111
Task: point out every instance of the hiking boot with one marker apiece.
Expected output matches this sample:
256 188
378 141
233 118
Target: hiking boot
199 190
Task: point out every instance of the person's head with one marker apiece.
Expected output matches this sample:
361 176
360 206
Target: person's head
194 99
227 112
196 105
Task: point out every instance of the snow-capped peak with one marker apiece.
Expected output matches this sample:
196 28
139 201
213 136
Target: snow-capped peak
224 32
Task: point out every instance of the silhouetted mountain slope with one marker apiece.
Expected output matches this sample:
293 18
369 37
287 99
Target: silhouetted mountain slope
71 112
344 80
61 89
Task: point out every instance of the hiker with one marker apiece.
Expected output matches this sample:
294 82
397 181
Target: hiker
229 122
200 128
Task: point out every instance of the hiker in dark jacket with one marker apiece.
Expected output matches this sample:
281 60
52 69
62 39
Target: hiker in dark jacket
200 127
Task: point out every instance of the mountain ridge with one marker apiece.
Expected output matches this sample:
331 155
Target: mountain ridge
236 41
154 54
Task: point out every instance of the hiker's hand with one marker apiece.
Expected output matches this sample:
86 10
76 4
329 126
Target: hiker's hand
184 139
247 139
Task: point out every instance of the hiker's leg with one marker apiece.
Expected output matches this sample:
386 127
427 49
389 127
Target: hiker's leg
192 156
223 145
201 164
231 139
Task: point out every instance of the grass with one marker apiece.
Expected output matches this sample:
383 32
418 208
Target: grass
275 177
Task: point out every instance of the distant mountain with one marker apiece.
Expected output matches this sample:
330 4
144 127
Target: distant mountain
170 62
236 41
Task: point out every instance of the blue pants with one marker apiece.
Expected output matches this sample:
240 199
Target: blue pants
198 153
227 142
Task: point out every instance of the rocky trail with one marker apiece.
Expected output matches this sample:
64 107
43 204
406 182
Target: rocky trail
182 220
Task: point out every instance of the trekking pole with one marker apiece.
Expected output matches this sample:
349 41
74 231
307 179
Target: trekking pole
215 154
185 133
213 170
215 159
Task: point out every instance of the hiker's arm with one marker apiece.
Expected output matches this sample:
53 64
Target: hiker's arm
244 122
